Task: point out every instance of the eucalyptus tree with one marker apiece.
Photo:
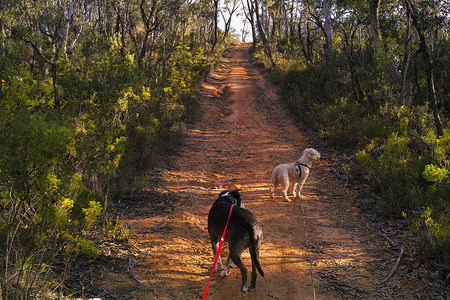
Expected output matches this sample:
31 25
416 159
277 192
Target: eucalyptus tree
216 24
230 6
46 26
262 29
427 20
249 12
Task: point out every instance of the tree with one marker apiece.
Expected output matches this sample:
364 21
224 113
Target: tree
262 33
328 30
152 16
230 11
374 17
250 16
216 28
431 91
45 27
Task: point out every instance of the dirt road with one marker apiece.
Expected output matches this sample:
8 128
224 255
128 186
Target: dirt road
319 246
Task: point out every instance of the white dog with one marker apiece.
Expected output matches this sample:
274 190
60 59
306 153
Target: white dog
294 173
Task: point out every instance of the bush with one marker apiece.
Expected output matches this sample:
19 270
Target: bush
433 229
58 167
402 157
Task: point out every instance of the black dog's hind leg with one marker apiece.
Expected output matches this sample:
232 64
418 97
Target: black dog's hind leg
238 262
235 255
215 247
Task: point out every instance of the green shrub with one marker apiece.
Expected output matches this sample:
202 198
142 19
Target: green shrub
346 93
433 229
438 171
394 173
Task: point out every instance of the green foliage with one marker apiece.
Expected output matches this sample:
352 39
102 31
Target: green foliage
395 172
411 177
91 213
354 96
87 248
122 96
433 229
437 172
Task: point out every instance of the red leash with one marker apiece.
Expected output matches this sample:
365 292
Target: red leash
218 253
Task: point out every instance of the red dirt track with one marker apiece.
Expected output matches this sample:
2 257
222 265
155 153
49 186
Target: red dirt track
318 245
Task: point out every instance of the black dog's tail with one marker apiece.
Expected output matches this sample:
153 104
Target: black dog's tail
255 260
254 250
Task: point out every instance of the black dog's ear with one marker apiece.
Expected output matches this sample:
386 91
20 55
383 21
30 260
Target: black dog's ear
236 195
238 198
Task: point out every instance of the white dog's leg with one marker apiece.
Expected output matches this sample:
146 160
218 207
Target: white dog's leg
294 188
300 186
285 187
271 191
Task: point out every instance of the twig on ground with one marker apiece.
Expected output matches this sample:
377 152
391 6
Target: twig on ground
393 269
130 265
340 177
389 250
161 227
386 238
168 190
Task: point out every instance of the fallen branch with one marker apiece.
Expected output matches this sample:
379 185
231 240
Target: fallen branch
131 272
393 269
340 176
387 239
389 250
168 190
160 227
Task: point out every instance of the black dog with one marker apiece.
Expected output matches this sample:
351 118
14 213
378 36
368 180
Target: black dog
243 232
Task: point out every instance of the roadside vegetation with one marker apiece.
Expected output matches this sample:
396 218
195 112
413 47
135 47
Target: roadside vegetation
372 77
90 94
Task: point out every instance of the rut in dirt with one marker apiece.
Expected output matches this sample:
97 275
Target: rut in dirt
315 248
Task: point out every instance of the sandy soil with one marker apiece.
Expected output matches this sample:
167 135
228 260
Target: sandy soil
319 247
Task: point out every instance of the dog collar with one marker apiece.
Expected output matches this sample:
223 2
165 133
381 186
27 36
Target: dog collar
228 196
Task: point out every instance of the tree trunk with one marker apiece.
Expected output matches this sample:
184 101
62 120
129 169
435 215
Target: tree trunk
328 29
374 14
405 90
251 19
216 32
309 44
263 35
348 49
302 41
431 92
54 69
228 21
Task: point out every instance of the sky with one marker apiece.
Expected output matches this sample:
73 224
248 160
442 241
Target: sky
237 23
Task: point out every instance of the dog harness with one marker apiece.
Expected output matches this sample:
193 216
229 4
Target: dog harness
298 169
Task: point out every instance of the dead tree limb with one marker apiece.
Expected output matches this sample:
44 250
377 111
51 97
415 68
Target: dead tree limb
130 272
393 269
386 238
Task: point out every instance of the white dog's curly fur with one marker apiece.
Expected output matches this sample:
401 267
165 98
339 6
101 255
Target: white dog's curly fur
288 173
